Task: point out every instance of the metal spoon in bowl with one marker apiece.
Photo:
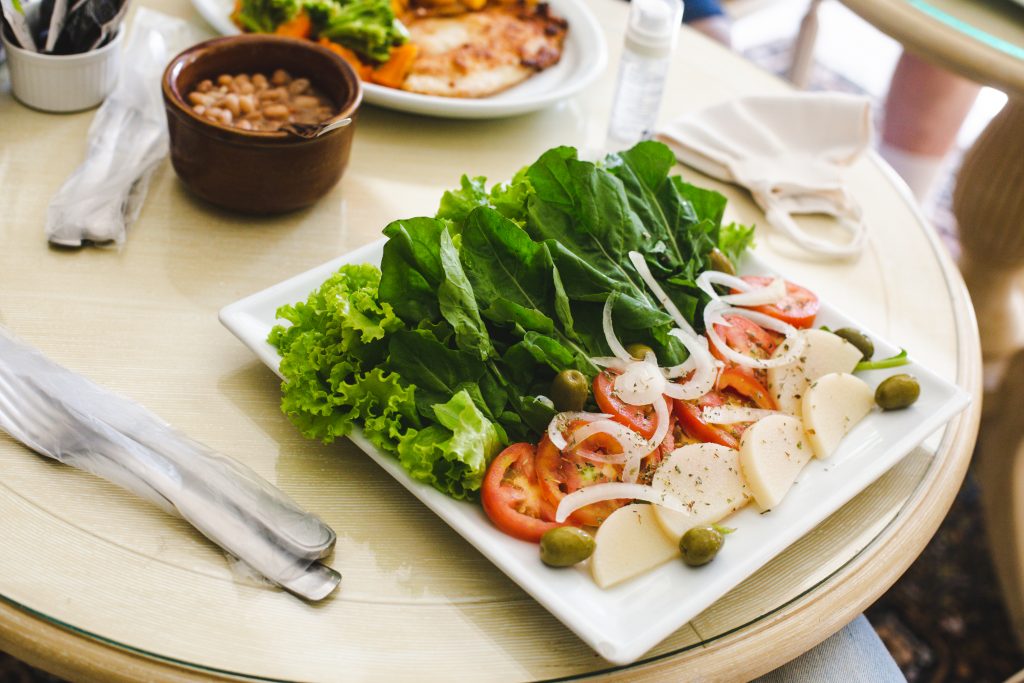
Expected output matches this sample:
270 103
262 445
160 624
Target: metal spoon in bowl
309 131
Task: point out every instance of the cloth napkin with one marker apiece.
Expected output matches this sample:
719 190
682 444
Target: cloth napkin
127 140
790 151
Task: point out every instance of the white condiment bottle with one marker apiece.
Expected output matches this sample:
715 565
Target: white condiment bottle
651 32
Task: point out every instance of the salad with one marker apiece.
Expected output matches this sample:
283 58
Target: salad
563 345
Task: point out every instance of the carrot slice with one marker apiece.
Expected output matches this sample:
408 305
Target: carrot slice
298 26
392 73
362 70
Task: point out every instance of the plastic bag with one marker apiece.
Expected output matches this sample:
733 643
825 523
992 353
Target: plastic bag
127 140
62 415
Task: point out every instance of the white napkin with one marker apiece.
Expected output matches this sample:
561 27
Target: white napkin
127 140
789 151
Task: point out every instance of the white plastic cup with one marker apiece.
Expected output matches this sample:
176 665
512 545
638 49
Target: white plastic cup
63 83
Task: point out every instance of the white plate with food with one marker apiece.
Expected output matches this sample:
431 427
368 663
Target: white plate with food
584 56
648 590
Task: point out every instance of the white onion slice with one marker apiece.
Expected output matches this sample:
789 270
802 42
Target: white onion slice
628 440
610 362
715 312
749 295
721 415
609 331
703 364
661 431
640 384
615 490
645 273
563 420
631 471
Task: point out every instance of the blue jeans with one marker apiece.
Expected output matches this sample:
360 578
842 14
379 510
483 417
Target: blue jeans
853 655
695 10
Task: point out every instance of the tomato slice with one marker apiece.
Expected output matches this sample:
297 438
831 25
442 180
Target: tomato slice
745 336
640 419
559 474
511 495
691 418
744 382
798 308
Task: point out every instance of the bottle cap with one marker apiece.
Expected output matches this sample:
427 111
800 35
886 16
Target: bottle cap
653 26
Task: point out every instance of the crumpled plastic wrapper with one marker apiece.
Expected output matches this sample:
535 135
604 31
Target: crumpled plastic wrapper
64 416
127 140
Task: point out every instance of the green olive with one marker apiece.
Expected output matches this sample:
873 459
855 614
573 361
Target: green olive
700 544
565 546
858 339
721 262
896 392
569 390
638 351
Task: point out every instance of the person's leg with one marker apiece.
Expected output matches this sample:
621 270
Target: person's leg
924 110
853 655
707 17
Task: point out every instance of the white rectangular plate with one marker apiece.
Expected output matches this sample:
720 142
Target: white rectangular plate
622 623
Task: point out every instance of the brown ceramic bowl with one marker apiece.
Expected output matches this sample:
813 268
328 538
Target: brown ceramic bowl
254 171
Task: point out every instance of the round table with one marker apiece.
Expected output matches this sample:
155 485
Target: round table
98 585
984 41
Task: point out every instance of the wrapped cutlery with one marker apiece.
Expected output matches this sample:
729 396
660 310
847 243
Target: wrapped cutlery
64 416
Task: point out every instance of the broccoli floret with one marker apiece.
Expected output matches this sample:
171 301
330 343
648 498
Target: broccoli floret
264 16
367 27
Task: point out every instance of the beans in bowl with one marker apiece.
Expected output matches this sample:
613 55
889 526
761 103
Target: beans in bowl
255 102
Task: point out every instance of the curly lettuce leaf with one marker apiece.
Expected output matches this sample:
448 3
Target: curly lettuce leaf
734 239
333 338
452 455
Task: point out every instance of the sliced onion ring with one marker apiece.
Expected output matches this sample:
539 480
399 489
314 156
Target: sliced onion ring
631 470
628 440
645 273
615 490
715 312
749 295
703 364
609 330
721 415
563 420
640 384
610 362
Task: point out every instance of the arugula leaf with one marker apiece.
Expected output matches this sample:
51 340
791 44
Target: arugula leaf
586 210
502 262
458 305
437 372
456 205
643 171
411 269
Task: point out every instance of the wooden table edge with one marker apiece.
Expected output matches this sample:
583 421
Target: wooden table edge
942 44
826 608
